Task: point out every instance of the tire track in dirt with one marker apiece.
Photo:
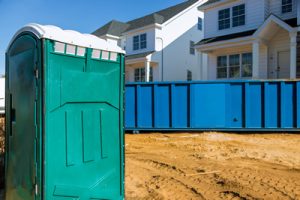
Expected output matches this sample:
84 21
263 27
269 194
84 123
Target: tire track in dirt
185 166
167 186
261 183
168 179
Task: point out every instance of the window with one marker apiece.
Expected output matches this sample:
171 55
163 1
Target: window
189 75
136 42
224 19
234 66
238 15
247 65
151 75
140 74
192 49
143 39
200 22
222 67
287 6
140 42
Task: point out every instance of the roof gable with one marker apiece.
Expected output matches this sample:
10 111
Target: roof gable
208 3
226 37
117 28
161 16
274 19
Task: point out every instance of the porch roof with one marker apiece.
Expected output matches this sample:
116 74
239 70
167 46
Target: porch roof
226 37
291 22
140 55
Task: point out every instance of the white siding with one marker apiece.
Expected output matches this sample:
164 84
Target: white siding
176 35
150 41
263 62
212 67
280 42
114 42
267 8
255 15
275 8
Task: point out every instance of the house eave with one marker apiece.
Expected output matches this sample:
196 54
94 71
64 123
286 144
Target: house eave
156 25
213 5
225 44
278 21
112 37
135 60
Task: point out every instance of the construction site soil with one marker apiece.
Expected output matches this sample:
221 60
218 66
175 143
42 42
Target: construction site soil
208 166
213 166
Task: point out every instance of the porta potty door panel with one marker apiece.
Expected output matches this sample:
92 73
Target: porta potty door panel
83 144
22 118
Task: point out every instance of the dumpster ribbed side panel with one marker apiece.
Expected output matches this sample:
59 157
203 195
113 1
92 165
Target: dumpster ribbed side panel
271 105
214 105
130 102
162 106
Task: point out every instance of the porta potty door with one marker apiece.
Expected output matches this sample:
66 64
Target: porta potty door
83 123
22 118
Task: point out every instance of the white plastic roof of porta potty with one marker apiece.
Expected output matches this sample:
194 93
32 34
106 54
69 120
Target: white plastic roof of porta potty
2 95
68 36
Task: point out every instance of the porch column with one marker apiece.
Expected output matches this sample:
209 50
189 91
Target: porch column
200 62
293 55
255 59
147 70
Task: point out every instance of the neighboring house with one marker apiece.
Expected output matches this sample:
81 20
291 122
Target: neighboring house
160 46
250 39
2 95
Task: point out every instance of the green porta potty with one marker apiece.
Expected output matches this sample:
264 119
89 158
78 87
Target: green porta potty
64 116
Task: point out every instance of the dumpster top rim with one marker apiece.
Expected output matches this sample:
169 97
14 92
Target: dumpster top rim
67 36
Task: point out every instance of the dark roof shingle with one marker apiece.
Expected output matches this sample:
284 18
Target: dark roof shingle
140 55
226 37
113 27
292 22
161 16
116 28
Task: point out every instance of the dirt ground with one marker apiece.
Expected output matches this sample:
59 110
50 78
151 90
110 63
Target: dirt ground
213 166
210 166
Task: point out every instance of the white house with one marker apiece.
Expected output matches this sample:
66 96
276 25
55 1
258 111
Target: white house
160 46
2 95
250 39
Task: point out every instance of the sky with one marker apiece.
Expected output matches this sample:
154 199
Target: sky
81 15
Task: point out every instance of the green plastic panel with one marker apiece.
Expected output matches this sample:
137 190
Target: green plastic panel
64 120
23 119
83 133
